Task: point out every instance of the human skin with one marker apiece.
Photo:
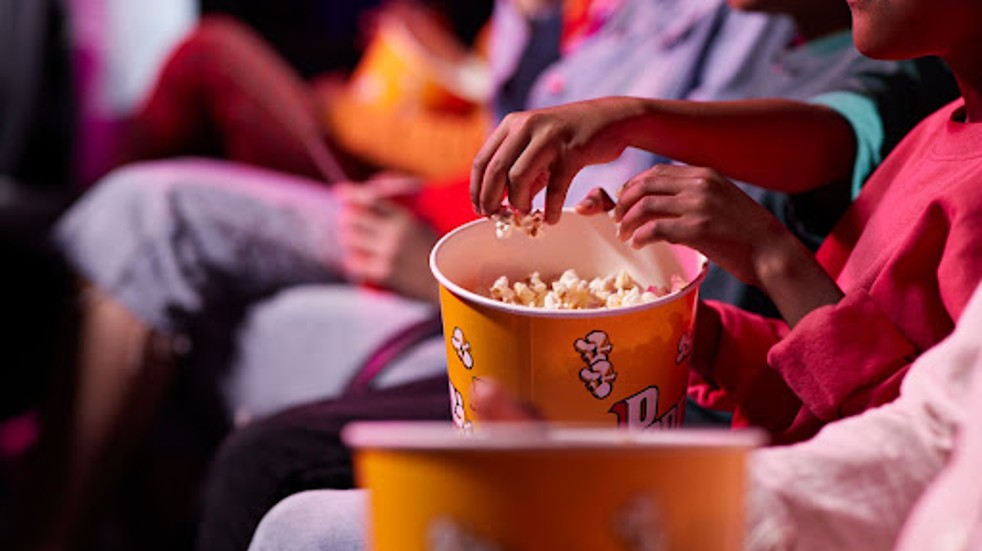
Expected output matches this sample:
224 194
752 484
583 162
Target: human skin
949 29
542 150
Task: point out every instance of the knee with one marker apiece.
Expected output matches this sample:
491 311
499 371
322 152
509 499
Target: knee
246 460
133 194
115 204
322 519
218 37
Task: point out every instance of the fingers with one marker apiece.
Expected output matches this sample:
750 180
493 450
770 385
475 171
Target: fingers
679 230
483 177
363 266
498 178
494 403
392 185
518 161
365 198
658 180
595 202
527 175
365 231
679 204
556 194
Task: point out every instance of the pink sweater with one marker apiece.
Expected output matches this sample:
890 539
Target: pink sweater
907 255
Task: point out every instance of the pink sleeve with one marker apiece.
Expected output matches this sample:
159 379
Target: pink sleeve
856 353
960 267
735 375
844 358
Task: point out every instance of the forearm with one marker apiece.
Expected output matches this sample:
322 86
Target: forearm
784 145
795 282
535 8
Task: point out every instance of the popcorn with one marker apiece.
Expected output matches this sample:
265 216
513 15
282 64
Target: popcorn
570 292
507 220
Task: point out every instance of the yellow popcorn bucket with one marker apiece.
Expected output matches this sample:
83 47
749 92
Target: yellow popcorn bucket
412 63
532 488
625 367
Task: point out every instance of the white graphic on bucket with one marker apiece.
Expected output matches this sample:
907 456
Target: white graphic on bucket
462 347
448 535
639 525
640 411
684 347
458 411
599 374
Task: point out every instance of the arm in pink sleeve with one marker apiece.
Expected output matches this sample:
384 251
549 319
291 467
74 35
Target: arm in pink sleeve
843 358
730 368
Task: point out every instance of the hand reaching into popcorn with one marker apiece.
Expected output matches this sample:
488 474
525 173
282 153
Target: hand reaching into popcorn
542 150
699 208
383 242
783 145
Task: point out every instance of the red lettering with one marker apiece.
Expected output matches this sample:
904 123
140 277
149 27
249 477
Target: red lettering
640 411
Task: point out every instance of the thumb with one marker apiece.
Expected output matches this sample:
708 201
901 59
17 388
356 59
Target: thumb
595 202
494 403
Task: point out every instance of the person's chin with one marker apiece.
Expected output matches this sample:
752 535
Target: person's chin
858 4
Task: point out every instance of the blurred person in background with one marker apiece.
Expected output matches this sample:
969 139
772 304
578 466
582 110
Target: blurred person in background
60 507
415 101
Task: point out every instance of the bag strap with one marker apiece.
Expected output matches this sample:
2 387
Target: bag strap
391 349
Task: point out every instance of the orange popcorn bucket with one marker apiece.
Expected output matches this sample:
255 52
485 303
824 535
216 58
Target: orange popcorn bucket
529 488
412 63
625 367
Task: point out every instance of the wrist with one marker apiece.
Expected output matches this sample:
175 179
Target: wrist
777 261
793 279
628 120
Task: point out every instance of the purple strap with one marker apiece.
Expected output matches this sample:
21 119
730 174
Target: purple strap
388 351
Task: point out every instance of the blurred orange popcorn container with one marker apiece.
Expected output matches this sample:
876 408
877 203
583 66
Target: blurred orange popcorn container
625 367
412 63
529 488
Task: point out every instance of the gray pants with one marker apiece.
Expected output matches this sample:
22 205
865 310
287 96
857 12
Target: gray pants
192 243
315 520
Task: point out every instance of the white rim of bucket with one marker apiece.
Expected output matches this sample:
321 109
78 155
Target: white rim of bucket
440 435
531 311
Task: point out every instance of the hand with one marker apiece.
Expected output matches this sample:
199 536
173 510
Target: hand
699 208
384 185
498 405
543 149
533 8
383 242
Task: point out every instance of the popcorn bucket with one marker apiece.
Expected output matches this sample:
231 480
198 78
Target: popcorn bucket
625 366
529 488
411 63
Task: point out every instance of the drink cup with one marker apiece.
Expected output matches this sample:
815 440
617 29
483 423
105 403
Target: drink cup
625 366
